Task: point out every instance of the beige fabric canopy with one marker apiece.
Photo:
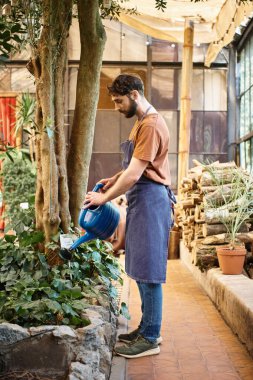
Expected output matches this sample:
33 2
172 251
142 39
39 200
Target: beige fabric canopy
215 21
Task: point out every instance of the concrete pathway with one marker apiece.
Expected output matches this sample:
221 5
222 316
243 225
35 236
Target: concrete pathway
197 343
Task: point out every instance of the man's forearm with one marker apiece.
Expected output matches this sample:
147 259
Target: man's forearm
124 182
117 175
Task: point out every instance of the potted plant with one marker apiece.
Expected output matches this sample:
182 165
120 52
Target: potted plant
232 205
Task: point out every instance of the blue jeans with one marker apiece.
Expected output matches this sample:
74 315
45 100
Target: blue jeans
151 307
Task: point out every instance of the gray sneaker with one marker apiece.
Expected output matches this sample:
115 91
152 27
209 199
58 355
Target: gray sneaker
128 338
138 348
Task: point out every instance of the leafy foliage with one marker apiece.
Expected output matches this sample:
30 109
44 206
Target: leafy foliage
25 113
114 8
32 293
23 24
18 177
161 5
11 32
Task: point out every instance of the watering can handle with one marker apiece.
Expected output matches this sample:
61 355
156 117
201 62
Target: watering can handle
98 186
83 211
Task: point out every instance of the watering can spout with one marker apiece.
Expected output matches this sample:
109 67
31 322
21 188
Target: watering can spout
66 254
83 239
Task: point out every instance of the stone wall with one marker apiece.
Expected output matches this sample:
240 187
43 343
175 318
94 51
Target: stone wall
231 294
60 352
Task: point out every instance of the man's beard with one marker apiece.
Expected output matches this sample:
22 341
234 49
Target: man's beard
132 109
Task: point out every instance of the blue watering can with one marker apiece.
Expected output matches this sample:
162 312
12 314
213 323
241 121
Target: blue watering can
99 222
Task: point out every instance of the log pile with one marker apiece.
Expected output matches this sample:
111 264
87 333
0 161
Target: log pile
202 230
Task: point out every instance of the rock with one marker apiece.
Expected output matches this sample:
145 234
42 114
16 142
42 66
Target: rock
87 357
64 332
105 359
11 333
109 335
80 371
104 313
49 351
41 329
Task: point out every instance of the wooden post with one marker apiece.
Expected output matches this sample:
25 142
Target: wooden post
185 104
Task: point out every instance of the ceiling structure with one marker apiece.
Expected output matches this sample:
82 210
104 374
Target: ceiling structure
215 21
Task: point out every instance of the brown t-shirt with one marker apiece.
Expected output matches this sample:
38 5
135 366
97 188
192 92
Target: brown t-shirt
151 143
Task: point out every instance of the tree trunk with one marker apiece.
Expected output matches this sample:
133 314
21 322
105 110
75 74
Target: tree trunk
93 37
48 66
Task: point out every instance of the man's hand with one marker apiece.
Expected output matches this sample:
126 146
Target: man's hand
93 198
109 182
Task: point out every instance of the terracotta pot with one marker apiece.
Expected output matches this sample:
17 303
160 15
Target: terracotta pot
231 261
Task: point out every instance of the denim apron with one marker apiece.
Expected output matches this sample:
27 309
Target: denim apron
148 223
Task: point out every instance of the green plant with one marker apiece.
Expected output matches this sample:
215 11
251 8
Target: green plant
19 178
11 32
25 114
232 202
32 293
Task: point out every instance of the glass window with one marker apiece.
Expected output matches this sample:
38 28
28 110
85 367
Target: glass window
91 181
242 155
245 104
173 170
208 158
124 43
74 46
242 72
251 155
246 112
197 90
251 60
73 71
199 52
133 45
197 138
113 42
198 157
24 54
242 116
251 109
164 51
22 80
222 56
165 88
107 132
108 74
215 132
106 165
215 90
247 67
248 155
171 119
5 79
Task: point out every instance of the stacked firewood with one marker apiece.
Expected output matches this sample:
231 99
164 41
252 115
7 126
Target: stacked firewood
202 230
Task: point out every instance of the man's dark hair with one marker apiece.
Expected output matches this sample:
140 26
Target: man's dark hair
125 83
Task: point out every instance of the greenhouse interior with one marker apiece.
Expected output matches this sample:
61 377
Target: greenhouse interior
126 183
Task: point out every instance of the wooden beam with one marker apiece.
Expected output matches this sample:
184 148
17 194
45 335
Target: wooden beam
185 103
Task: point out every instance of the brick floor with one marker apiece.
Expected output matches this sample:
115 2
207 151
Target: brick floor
197 343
